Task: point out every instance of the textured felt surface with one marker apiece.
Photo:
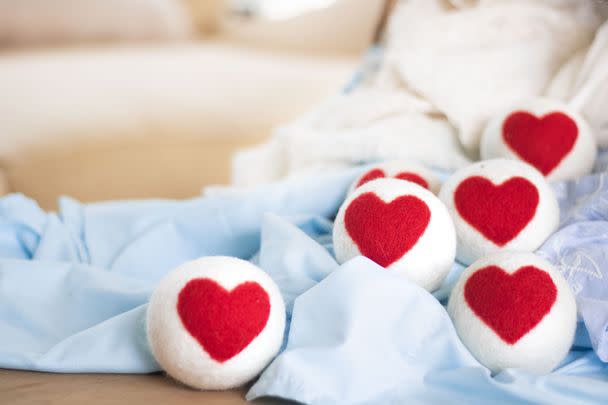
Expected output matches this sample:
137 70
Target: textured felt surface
487 221
548 134
223 322
413 177
400 226
376 173
500 212
543 142
373 174
215 322
510 304
384 232
514 310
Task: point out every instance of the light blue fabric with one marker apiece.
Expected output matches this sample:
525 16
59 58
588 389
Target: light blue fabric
580 251
363 335
74 287
366 336
601 163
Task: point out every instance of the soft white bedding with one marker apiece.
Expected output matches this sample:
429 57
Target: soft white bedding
436 88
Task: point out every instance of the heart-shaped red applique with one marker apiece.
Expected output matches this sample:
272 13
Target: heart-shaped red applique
371 175
384 232
510 304
413 177
499 212
543 142
379 173
223 322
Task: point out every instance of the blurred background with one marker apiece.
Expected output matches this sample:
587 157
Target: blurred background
120 99
108 99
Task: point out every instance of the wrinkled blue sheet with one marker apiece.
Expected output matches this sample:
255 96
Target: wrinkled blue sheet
74 287
579 249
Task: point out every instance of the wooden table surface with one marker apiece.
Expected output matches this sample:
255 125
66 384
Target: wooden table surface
26 387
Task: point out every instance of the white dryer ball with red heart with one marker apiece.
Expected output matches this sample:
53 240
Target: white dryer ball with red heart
514 310
216 322
499 204
547 134
402 170
400 226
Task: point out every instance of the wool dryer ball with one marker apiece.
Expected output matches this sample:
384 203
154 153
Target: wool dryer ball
514 310
216 322
400 226
402 170
547 134
499 204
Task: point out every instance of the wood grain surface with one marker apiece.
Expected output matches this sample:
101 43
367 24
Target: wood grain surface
26 387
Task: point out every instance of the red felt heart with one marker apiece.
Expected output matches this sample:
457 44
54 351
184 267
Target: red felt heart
499 212
379 173
510 304
543 142
384 232
413 177
223 322
371 175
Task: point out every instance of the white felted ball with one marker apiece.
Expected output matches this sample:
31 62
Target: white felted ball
499 204
401 170
547 134
216 322
514 310
400 226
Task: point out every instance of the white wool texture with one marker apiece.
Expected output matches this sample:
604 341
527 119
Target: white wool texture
541 349
577 163
395 167
181 355
429 261
472 244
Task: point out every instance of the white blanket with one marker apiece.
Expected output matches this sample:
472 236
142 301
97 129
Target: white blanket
447 68
583 82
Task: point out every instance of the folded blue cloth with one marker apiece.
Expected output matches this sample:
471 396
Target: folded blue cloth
74 284
366 336
74 287
580 251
